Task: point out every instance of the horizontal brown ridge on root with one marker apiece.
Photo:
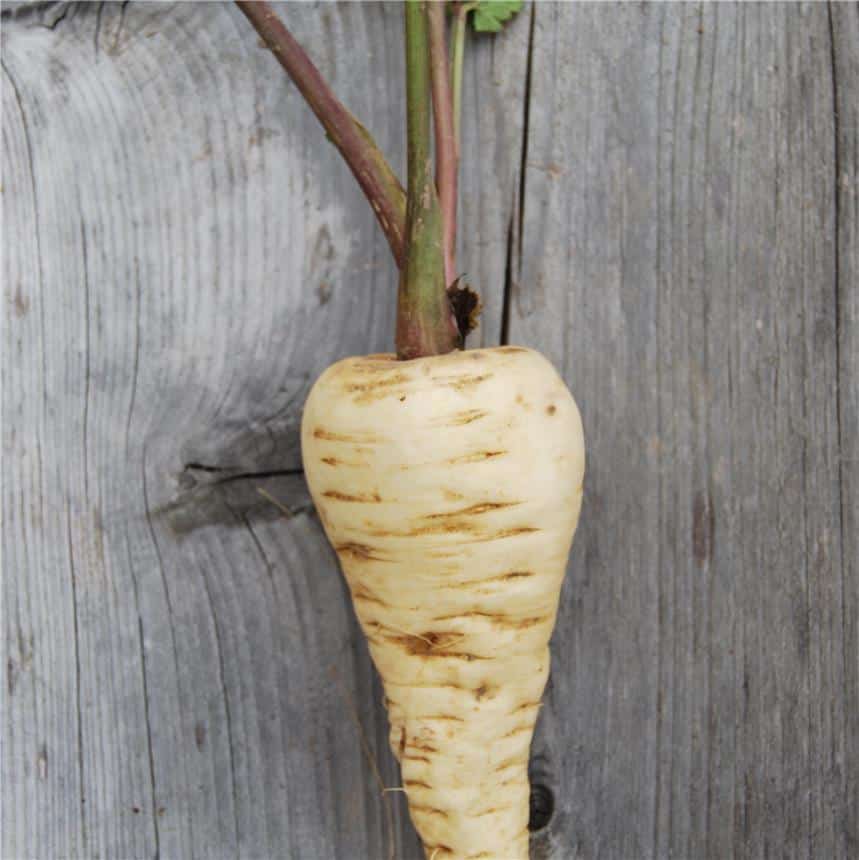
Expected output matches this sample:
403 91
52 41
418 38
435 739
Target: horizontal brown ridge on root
476 457
505 622
423 747
330 436
443 527
417 646
359 551
463 382
512 532
476 583
422 758
474 510
459 419
376 384
371 498
366 596
473 613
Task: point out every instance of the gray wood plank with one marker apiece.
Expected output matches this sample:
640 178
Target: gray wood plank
680 219
183 255
844 19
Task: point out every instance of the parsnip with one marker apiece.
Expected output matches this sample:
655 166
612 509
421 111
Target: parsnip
450 488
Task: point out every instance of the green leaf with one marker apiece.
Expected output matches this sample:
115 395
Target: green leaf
491 15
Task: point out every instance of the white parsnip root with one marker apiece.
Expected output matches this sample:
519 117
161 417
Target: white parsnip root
450 488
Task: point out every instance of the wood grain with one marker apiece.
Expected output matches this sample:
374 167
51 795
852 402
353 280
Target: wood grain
844 23
661 198
680 221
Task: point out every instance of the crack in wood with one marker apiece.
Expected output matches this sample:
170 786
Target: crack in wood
516 222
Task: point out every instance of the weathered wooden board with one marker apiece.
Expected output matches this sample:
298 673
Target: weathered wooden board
662 198
682 222
844 21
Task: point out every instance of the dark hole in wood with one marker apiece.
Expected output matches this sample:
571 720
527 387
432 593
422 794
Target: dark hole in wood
541 807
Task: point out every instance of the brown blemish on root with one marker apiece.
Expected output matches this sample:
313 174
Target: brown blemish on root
450 526
527 706
459 419
481 692
416 783
511 349
421 643
476 457
474 510
364 595
335 461
492 616
515 531
377 384
377 394
357 552
512 532
505 622
508 763
432 645
551 409
403 633
444 718
371 498
462 383
423 747
423 758
479 585
330 436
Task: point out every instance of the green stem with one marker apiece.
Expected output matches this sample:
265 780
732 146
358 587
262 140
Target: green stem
374 175
425 325
445 142
457 39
